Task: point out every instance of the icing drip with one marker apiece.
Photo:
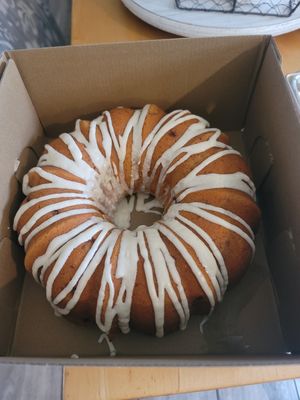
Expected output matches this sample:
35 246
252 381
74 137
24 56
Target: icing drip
98 183
111 347
204 322
161 268
122 216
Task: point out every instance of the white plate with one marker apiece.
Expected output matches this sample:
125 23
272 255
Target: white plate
164 15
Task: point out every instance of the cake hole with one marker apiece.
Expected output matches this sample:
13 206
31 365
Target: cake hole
136 210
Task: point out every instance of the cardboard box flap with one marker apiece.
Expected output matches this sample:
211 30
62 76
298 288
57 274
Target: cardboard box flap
276 123
3 62
16 113
198 74
11 279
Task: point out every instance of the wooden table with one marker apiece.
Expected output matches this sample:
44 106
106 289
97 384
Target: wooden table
96 21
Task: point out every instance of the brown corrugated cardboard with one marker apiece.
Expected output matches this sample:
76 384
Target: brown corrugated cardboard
237 85
210 76
276 124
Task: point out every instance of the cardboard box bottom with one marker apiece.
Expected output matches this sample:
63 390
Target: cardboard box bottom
245 323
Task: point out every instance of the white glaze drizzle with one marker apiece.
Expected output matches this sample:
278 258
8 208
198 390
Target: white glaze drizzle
137 144
101 184
159 266
122 216
143 204
111 347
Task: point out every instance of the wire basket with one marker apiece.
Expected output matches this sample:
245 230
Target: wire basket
279 8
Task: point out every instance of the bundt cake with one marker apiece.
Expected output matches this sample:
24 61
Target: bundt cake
153 277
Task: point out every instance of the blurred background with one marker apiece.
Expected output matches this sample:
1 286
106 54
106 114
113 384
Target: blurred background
34 23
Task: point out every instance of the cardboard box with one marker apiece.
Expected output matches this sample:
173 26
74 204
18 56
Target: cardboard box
237 84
